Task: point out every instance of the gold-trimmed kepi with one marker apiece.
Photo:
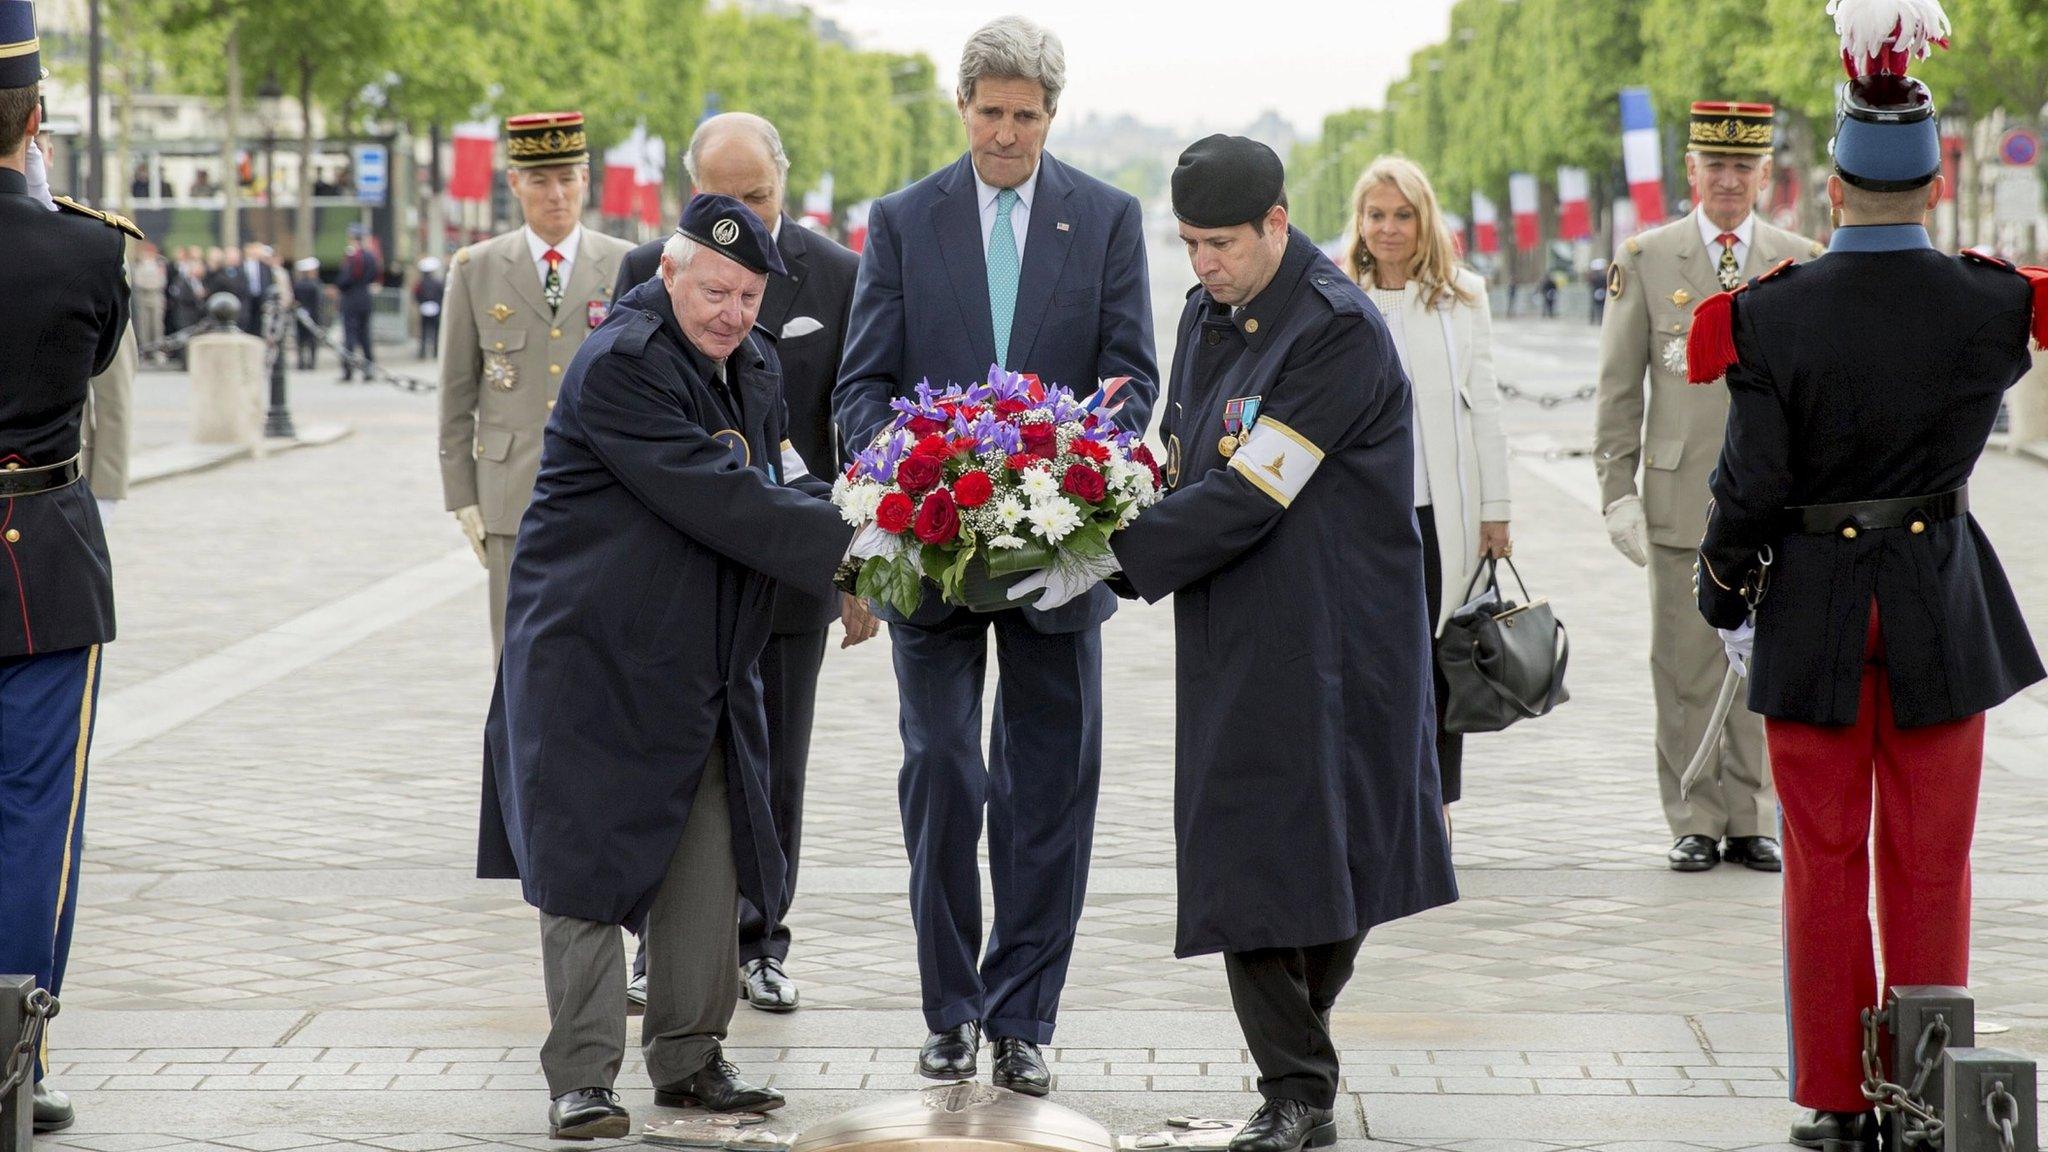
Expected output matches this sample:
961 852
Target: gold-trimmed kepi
21 53
544 139
1720 126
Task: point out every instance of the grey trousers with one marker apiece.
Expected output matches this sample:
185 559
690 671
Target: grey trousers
692 965
498 557
1734 797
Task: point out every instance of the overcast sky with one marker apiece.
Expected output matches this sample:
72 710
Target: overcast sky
1191 64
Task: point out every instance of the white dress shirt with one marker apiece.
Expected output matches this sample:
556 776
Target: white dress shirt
567 248
1711 235
1020 213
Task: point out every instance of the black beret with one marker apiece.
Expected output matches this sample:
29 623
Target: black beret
1223 181
731 229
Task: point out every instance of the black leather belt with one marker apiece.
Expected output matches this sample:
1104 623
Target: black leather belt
1913 513
36 481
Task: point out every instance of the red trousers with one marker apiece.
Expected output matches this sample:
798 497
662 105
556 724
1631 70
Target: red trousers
1924 783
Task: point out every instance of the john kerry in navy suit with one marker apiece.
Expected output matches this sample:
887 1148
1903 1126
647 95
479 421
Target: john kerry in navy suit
1007 256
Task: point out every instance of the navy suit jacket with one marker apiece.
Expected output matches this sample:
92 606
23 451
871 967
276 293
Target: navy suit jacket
920 311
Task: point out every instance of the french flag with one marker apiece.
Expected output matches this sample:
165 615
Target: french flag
476 143
1522 204
647 179
621 176
1485 225
1642 156
1574 212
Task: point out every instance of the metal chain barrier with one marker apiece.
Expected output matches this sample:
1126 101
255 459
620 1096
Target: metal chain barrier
370 369
39 1007
1548 399
2003 1111
1921 1126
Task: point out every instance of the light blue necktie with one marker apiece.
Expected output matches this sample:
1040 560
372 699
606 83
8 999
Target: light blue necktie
1004 268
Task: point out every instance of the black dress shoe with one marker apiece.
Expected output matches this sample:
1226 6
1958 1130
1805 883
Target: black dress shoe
1759 853
1286 1126
588 1114
949 1055
1837 1131
765 987
1020 1067
718 1087
53 1111
1693 854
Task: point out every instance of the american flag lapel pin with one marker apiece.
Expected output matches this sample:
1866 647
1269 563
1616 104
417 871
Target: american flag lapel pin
1063 226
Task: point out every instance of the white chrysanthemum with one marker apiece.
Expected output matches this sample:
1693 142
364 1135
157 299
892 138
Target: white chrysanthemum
1039 485
1009 511
1054 519
1007 542
857 501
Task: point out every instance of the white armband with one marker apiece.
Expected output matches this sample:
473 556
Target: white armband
792 463
1277 460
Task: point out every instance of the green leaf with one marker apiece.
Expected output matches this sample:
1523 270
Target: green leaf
1013 561
894 581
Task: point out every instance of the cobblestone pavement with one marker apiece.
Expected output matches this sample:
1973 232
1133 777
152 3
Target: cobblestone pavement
280 945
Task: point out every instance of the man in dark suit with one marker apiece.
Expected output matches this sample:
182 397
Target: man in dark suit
1006 256
805 310
1842 565
65 295
259 280
361 271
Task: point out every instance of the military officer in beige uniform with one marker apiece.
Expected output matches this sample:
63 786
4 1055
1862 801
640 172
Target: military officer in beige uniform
1654 284
518 307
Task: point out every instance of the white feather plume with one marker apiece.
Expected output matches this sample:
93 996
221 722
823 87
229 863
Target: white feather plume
1867 27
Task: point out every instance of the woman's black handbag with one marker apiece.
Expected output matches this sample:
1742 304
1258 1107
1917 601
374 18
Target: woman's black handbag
1501 661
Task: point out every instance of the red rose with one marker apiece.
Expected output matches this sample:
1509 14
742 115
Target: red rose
919 474
1084 483
925 426
1091 450
938 522
894 513
1144 456
934 446
973 490
1012 407
1018 461
962 446
1040 440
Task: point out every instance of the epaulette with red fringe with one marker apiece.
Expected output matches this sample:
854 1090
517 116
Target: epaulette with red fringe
2037 279
1710 347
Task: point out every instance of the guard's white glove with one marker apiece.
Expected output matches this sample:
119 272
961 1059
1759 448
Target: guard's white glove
871 541
106 510
1629 529
471 518
39 178
1739 643
1062 582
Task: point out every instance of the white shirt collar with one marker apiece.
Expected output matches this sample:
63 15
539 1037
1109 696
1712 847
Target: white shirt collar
987 193
775 229
570 243
1711 236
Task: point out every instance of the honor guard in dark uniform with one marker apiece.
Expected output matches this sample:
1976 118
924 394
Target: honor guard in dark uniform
63 312
1864 386
626 755
1306 805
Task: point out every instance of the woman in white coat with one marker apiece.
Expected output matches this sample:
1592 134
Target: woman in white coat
1399 250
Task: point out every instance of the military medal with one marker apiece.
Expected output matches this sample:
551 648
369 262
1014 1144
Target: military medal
1239 414
499 372
595 312
1674 354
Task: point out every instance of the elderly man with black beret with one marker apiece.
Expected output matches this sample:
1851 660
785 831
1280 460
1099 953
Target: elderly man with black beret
626 756
1306 805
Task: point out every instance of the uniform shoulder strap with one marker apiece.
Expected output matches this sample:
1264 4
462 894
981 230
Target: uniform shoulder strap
635 333
1710 346
1988 259
110 219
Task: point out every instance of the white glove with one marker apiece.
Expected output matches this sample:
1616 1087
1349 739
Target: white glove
1739 643
39 177
1063 582
1629 529
471 518
871 542
106 510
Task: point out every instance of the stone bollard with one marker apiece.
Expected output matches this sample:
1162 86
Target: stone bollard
2027 405
228 386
